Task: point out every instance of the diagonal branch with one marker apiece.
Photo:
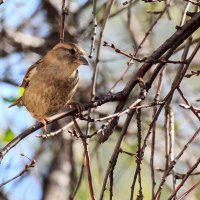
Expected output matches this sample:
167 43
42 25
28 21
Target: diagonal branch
172 43
92 104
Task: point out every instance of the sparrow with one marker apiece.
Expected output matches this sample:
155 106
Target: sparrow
51 82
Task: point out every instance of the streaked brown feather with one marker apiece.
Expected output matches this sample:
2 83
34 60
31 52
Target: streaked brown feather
30 73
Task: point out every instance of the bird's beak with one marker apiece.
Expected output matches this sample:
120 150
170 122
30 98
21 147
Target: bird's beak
83 61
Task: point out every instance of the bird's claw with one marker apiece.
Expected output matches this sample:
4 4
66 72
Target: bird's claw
44 122
80 107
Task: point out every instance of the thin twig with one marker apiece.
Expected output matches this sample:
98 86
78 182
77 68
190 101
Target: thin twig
94 29
115 153
173 162
169 116
152 26
131 107
80 177
62 25
106 16
156 99
87 157
185 178
186 193
188 104
111 182
26 169
52 134
193 73
142 60
139 161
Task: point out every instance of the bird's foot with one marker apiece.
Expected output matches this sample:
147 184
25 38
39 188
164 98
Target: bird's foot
44 122
80 107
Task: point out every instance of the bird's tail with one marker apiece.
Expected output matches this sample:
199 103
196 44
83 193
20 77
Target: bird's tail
17 103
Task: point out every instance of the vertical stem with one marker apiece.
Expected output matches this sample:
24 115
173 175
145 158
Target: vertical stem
87 158
94 29
156 99
62 26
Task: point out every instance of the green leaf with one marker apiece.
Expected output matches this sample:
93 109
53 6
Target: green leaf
10 99
13 99
8 136
21 91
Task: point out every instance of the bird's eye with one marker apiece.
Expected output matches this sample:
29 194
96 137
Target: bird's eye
72 51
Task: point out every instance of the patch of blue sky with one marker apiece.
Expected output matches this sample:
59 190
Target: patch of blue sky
13 61
27 146
39 23
82 1
21 120
17 119
22 189
19 69
17 10
85 73
13 163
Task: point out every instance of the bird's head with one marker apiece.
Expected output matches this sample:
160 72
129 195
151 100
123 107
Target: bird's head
64 59
70 53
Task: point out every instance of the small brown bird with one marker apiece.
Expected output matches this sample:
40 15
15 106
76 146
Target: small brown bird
50 83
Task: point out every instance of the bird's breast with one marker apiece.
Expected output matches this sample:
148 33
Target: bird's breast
45 96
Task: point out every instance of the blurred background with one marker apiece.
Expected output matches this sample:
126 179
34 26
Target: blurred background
28 29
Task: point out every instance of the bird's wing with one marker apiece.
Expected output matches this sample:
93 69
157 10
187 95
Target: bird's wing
30 73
